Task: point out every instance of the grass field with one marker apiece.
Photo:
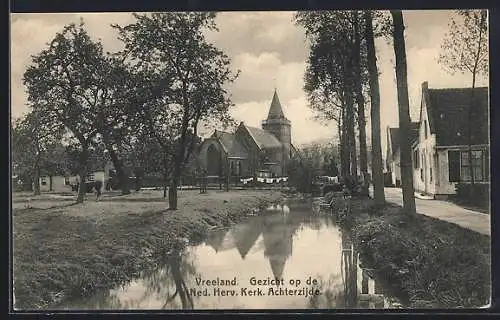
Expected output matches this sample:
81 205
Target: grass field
63 250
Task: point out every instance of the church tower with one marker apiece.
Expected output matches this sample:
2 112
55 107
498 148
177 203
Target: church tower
280 126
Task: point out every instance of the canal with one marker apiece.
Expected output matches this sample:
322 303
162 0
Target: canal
288 257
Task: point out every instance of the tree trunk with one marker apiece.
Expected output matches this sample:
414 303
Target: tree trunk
50 183
471 104
123 180
377 165
82 190
172 195
36 183
172 191
469 138
344 154
404 113
138 182
351 135
360 100
165 174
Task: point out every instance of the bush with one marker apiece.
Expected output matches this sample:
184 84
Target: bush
430 262
473 194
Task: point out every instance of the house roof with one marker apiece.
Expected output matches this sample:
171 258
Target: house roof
275 111
394 136
230 144
263 138
449 119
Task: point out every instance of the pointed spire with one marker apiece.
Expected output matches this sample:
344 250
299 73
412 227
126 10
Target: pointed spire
275 111
277 266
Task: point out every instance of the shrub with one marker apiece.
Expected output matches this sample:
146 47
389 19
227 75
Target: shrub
473 194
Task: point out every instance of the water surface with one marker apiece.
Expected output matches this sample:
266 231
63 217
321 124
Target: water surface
287 242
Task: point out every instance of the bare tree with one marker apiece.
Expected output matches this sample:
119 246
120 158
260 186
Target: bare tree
465 50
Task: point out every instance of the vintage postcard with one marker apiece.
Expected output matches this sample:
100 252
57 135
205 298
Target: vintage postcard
250 160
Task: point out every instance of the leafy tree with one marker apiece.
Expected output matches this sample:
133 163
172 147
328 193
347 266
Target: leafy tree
465 50
404 113
191 73
335 76
54 162
377 165
65 83
33 139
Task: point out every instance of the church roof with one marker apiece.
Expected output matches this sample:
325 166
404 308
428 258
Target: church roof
277 266
275 111
231 145
263 138
246 235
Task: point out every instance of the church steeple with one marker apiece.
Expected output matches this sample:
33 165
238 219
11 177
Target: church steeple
275 111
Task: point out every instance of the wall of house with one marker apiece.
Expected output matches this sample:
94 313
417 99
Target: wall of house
276 155
203 153
253 162
58 184
444 186
395 166
427 157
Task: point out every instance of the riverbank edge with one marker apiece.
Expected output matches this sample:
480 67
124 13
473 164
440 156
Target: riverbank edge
88 257
428 262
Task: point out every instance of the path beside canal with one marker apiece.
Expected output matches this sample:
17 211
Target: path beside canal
444 210
62 249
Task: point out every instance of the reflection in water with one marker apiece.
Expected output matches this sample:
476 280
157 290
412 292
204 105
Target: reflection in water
278 234
285 242
245 236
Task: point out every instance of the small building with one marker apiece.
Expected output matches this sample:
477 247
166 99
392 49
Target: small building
440 154
249 150
100 171
393 153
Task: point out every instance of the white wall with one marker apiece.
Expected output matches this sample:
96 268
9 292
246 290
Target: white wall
396 168
57 184
426 148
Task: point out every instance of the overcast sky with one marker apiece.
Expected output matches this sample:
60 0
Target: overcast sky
271 52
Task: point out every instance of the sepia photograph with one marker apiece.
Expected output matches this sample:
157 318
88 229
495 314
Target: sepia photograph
250 160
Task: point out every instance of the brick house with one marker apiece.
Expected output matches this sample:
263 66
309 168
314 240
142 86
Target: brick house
249 149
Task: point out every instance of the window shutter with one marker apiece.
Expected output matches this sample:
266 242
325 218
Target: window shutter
454 165
486 165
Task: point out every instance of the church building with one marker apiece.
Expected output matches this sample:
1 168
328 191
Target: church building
250 151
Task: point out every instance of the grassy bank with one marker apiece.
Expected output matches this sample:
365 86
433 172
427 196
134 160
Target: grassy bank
63 250
429 262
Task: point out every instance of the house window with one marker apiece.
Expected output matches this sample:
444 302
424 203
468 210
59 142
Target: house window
238 167
430 168
477 165
90 177
43 181
459 165
415 159
422 162
66 181
425 129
